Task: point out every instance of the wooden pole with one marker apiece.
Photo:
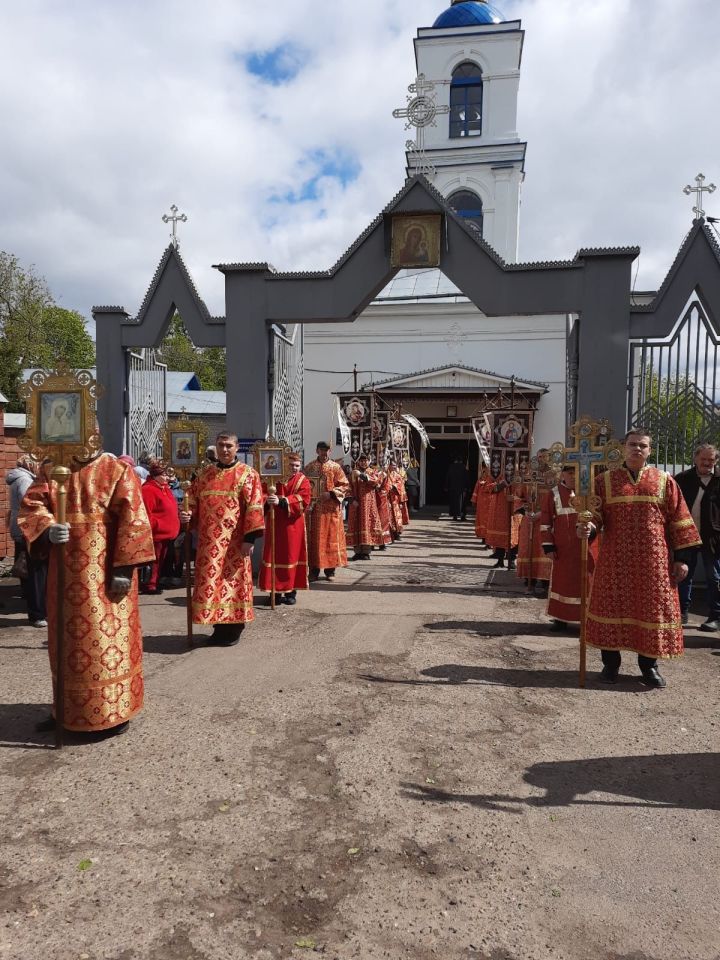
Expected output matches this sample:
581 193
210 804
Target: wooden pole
60 475
187 547
585 517
272 491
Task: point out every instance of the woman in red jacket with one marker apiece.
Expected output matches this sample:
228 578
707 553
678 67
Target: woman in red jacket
162 510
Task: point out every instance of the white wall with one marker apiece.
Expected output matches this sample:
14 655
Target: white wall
408 338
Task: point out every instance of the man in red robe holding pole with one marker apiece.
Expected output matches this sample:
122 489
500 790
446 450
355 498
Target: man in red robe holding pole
558 535
290 502
107 535
227 507
647 531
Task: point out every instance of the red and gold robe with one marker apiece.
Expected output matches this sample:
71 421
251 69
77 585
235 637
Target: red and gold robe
482 498
227 505
326 533
394 487
404 511
381 493
634 603
532 561
558 521
364 527
503 525
290 538
109 528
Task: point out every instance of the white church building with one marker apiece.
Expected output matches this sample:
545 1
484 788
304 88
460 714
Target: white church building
422 343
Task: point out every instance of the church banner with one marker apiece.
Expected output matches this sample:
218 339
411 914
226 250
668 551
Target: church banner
509 439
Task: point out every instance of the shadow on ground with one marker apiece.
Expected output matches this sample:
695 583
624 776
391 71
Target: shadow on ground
683 781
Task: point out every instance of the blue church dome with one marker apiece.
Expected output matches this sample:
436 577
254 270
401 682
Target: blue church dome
468 13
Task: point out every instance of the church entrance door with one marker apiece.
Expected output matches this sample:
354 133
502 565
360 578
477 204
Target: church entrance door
437 461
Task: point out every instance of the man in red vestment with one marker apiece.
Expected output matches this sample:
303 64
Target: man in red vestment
503 525
290 502
558 534
364 528
326 533
647 531
107 535
227 507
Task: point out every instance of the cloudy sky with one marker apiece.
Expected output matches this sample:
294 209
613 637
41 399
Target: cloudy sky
269 123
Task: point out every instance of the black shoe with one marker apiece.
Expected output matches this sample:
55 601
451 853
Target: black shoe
511 564
652 678
383 546
684 618
314 575
608 675
44 726
290 599
558 626
710 626
225 634
116 731
498 564
329 573
541 590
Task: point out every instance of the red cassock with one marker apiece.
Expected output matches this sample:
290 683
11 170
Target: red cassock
532 561
364 527
291 559
634 603
228 507
383 507
503 525
103 651
558 520
481 498
393 485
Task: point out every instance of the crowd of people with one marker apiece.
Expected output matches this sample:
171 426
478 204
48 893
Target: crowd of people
644 543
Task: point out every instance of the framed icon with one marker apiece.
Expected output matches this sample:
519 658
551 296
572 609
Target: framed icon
416 240
184 445
270 458
61 415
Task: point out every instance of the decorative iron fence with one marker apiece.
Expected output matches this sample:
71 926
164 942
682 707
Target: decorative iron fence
286 384
673 388
146 403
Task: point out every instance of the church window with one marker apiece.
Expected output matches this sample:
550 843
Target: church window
466 92
468 205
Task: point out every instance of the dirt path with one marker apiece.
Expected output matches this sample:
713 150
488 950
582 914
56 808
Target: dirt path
401 766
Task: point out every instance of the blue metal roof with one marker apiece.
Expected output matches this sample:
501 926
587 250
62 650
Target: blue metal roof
468 13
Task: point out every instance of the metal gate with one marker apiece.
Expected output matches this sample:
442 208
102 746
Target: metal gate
673 388
146 409
286 385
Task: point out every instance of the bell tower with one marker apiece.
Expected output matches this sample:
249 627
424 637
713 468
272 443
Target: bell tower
469 62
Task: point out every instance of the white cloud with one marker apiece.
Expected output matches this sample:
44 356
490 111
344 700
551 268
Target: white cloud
112 112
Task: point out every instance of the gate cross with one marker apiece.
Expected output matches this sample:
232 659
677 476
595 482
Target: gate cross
174 217
420 112
699 190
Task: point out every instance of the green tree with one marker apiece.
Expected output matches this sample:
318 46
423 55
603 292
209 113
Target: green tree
678 415
179 353
34 331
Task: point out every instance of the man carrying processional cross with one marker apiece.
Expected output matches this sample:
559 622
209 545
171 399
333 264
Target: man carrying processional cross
647 533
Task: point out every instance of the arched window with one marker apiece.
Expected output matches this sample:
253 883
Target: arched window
466 92
469 206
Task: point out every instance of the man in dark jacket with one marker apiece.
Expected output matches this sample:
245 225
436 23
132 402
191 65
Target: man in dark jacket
700 487
457 481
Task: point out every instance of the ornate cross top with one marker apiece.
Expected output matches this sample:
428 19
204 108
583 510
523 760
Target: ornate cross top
421 111
699 189
591 450
174 217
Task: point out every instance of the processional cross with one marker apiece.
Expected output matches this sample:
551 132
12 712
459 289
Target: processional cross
699 189
174 217
421 111
590 451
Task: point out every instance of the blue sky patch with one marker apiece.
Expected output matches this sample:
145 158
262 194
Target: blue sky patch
314 167
278 65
